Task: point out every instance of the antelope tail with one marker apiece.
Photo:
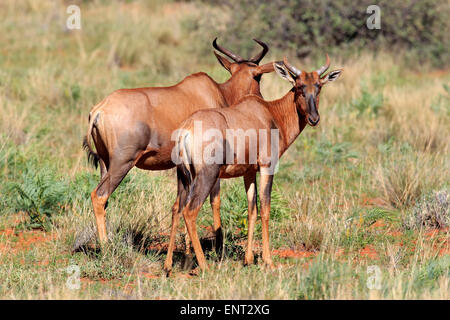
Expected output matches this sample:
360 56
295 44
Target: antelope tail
185 164
92 156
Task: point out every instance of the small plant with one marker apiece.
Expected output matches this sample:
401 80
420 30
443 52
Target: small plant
308 235
368 103
442 103
430 272
402 179
82 185
433 211
40 194
334 153
112 262
318 281
369 217
234 207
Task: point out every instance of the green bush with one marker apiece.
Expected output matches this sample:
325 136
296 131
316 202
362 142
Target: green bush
368 103
234 207
311 26
320 277
40 194
82 185
429 274
330 153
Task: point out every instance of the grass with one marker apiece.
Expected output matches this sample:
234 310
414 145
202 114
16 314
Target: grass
342 197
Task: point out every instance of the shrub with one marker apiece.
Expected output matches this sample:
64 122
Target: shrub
40 194
304 235
82 185
368 103
367 217
433 211
429 274
330 153
112 262
137 210
403 179
320 277
234 207
311 26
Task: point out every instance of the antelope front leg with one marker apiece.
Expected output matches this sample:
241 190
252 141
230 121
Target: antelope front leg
265 191
250 188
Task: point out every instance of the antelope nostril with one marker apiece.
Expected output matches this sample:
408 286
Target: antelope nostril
313 121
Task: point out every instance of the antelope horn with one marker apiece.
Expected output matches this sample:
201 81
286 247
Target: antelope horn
324 68
291 68
226 52
257 58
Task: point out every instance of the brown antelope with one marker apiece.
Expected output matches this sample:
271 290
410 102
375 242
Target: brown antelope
287 117
133 127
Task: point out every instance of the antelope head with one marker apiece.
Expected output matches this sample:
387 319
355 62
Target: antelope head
307 86
245 68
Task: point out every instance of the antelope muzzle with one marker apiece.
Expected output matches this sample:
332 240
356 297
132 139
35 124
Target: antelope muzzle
313 116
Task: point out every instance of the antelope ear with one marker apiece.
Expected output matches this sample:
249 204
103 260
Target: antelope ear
265 68
283 72
223 61
331 76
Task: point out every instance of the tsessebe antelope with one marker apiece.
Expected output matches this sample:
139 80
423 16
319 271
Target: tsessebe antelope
287 117
133 127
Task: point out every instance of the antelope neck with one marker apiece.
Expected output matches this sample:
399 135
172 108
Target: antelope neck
233 91
287 118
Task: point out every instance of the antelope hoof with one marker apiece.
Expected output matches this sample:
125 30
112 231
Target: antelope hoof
168 272
167 269
248 260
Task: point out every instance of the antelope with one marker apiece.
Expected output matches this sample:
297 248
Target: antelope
132 127
287 117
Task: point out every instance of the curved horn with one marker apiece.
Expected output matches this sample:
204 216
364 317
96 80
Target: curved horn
291 68
324 68
226 52
257 58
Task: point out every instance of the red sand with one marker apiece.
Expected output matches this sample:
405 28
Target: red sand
369 252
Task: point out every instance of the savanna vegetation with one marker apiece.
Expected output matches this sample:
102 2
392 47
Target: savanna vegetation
360 206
